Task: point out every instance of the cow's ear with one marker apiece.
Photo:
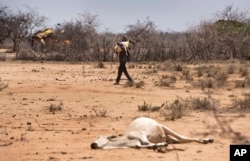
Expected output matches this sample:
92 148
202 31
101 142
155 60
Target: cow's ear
111 137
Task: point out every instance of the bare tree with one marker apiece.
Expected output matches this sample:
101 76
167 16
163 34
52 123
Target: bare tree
84 37
233 32
19 26
3 23
106 50
231 14
34 20
144 33
226 37
17 29
75 33
90 24
200 41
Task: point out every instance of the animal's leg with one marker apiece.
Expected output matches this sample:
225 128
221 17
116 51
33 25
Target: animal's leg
144 141
126 50
172 140
184 139
153 146
141 136
157 135
161 133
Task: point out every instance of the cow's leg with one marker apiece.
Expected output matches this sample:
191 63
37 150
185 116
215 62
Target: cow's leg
184 139
141 136
144 141
154 146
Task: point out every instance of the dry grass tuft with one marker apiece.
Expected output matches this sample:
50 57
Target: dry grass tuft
55 107
139 84
201 103
148 107
100 112
100 65
242 104
166 81
243 71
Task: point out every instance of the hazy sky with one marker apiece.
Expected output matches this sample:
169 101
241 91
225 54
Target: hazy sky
115 15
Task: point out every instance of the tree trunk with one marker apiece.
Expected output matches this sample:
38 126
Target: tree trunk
16 47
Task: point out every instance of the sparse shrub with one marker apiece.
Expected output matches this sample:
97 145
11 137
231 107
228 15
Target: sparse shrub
154 71
247 79
151 71
221 79
100 112
186 75
179 107
148 107
178 67
242 104
139 66
158 66
131 65
210 70
240 84
218 81
144 107
150 66
166 81
199 73
164 76
155 108
243 72
231 69
54 108
200 103
163 83
129 84
100 65
201 70
175 109
139 84
166 66
26 54
173 78
206 83
51 99
35 70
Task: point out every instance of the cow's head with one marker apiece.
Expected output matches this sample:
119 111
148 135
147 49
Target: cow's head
102 141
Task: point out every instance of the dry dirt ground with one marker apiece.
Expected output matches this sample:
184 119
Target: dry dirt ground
52 111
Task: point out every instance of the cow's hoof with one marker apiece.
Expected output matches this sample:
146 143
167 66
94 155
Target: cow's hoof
206 141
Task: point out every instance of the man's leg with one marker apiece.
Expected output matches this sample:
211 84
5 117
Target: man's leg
119 74
126 73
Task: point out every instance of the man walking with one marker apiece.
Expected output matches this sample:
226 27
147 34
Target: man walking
123 56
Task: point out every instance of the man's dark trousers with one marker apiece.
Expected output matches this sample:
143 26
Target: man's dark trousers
122 68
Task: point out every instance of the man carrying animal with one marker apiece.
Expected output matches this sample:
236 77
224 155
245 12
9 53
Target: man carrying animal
122 50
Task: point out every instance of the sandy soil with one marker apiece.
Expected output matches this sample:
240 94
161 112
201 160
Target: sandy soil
29 131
